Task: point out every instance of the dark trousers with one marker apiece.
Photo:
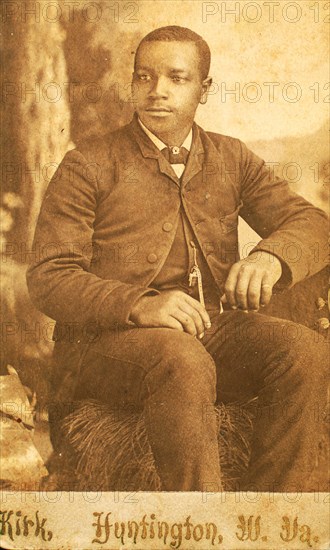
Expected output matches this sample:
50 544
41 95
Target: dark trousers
176 379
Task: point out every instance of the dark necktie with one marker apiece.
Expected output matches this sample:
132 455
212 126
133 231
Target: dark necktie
176 155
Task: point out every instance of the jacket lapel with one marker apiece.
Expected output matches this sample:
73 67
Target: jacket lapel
149 150
195 159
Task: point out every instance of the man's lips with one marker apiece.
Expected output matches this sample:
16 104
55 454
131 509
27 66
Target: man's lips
158 109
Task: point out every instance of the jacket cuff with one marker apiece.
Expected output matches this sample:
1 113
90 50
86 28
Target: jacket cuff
286 280
116 308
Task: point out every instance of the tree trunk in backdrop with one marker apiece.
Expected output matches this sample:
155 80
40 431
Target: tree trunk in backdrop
35 116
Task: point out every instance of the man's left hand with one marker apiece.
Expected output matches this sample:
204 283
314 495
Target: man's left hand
250 282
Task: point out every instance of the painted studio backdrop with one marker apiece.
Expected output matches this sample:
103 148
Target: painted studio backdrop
66 74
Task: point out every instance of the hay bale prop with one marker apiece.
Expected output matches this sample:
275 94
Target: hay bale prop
107 453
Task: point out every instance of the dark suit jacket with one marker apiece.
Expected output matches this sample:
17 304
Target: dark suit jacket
110 214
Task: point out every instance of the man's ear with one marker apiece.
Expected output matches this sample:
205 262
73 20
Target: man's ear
206 85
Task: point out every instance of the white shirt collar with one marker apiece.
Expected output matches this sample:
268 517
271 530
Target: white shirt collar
160 144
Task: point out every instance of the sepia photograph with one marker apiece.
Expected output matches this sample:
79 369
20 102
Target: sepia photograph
164 274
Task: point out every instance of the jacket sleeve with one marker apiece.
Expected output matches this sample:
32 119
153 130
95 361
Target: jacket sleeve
292 229
59 279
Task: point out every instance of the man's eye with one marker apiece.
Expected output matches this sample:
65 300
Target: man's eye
178 79
144 77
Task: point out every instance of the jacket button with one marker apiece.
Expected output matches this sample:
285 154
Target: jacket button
152 258
167 226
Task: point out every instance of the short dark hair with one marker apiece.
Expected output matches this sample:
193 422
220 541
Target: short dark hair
174 33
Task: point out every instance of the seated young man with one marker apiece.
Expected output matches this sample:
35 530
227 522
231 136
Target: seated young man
139 237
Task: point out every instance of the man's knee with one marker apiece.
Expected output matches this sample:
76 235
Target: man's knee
306 358
182 357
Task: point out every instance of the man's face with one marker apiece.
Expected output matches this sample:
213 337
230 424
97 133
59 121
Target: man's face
167 86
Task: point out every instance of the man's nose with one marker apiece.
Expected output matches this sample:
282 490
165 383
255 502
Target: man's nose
159 88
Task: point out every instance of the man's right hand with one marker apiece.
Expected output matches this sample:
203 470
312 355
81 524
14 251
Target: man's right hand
171 309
